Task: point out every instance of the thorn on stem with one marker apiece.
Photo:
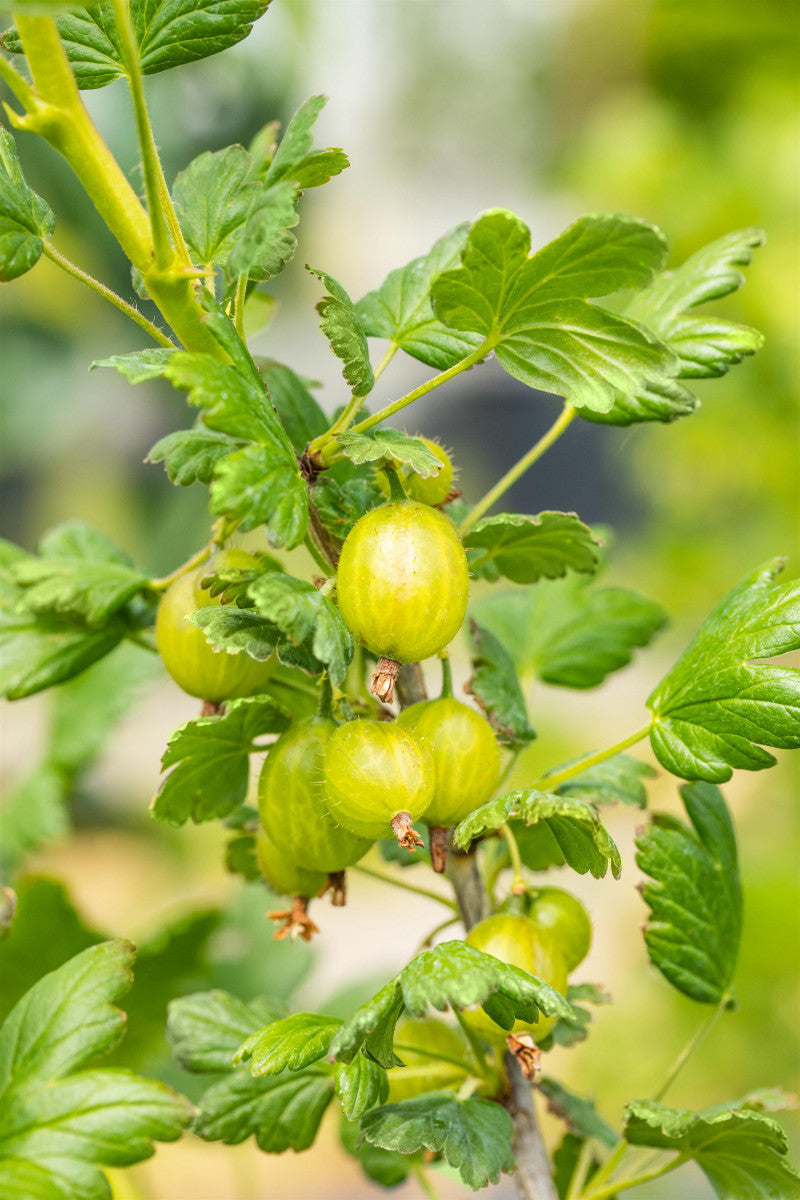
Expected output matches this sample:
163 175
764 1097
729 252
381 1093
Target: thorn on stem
526 1052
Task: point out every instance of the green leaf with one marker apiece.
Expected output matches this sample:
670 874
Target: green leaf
237 629
694 895
39 652
360 1085
569 633
495 686
293 158
240 857
306 618
581 836
231 402
742 1153
706 347
92 590
618 780
389 445
340 505
61 1123
169 34
25 954
579 1114
206 1029
25 218
283 1112
400 309
473 1136
265 243
44 8
300 415
385 1167
262 485
290 1044
715 709
565 1163
453 974
526 549
34 813
212 202
211 757
190 455
342 328
533 311
139 367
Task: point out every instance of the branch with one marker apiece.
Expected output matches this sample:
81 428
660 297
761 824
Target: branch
533 1176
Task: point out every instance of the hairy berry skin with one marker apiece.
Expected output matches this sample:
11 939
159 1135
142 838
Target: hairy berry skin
465 756
516 940
373 771
283 876
291 805
434 489
195 666
403 583
565 917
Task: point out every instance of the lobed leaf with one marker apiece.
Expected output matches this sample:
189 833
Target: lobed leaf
261 485
309 620
526 549
342 328
206 1029
569 633
705 347
25 218
400 309
618 780
473 1136
360 1085
190 455
282 1112
292 1044
210 758
293 158
61 1123
389 445
300 415
742 1153
453 974
579 1114
340 505
167 34
533 311
495 686
716 709
694 895
577 829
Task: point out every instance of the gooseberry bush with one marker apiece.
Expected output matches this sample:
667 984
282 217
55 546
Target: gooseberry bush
316 671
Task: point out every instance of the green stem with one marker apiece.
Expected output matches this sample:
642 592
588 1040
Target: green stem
623 1185
474 1044
348 415
511 476
425 1181
408 887
140 639
518 882
16 83
128 309
581 1169
316 554
555 779
397 493
326 445
161 585
151 164
699 1036
238 305
326 699
447 677
56 112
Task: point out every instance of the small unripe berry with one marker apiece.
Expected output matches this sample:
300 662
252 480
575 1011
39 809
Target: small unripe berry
433 489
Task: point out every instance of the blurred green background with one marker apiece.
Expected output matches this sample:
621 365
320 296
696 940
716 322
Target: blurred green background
684 113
